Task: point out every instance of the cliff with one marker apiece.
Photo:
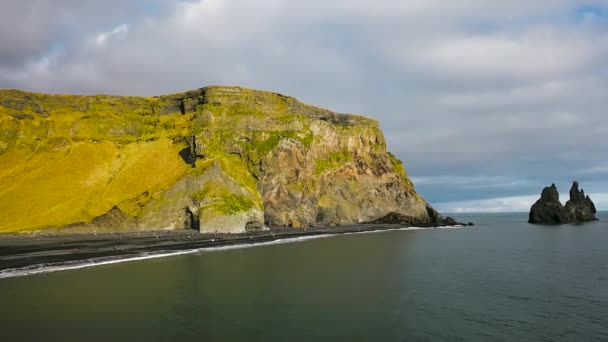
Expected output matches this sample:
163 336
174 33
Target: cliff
225 159
549 210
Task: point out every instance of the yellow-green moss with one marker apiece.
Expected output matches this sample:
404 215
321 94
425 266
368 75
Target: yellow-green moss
332 161
217 198
236 168
400 170
263 142
79 182
397 165
104 118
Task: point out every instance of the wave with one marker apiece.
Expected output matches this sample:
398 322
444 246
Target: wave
73 265
404 229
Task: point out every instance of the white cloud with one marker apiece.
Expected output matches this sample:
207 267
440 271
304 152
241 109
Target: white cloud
509 204
119 32
535 54
504 204
468 181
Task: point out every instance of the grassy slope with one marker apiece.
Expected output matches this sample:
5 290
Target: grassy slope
82 182
69 159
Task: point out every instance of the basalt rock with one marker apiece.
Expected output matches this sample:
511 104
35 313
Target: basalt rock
580 208
549 210
396 218
450 221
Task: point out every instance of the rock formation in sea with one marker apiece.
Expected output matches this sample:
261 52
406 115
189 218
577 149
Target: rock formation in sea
549 210
226 159
580 208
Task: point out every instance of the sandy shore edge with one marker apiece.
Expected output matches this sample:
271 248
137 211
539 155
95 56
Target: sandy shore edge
25 250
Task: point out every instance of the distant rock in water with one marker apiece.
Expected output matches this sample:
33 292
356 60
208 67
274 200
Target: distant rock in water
580 208
549 210
396 218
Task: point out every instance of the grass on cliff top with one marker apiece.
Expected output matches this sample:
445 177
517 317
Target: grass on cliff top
82 181
58 104
28 119
124 127
270 104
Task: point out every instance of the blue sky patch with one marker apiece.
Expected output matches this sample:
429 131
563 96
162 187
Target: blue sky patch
583 11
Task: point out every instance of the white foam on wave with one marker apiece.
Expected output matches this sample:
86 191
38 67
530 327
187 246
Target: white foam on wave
406 229
74 265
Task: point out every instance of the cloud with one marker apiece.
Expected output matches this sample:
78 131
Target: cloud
32 28
479 99
119 32
511 57
503 204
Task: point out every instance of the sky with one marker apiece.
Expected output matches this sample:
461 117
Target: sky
485 102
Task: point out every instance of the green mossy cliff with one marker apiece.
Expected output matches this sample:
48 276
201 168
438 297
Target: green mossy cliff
224 159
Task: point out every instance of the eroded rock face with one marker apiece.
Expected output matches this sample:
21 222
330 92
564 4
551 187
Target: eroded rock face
549 210
312 167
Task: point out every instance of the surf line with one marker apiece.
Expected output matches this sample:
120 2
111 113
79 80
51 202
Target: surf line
74 265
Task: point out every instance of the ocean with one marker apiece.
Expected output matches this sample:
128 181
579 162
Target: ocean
501 280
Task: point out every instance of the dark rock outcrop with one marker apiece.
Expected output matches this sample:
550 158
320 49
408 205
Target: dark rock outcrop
450 221
580 208
396 218
549 210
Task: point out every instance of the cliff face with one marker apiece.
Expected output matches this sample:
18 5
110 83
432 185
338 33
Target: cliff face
224 159
549 210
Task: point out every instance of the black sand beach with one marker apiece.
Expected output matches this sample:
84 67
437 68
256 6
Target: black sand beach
28 249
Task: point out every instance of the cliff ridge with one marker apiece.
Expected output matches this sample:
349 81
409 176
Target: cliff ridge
225 159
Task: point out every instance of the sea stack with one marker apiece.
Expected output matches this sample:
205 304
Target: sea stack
549 210
580 208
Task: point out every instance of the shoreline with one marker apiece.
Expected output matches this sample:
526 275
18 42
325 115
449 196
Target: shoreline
20 251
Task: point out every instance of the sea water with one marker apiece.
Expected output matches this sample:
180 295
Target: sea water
501 280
